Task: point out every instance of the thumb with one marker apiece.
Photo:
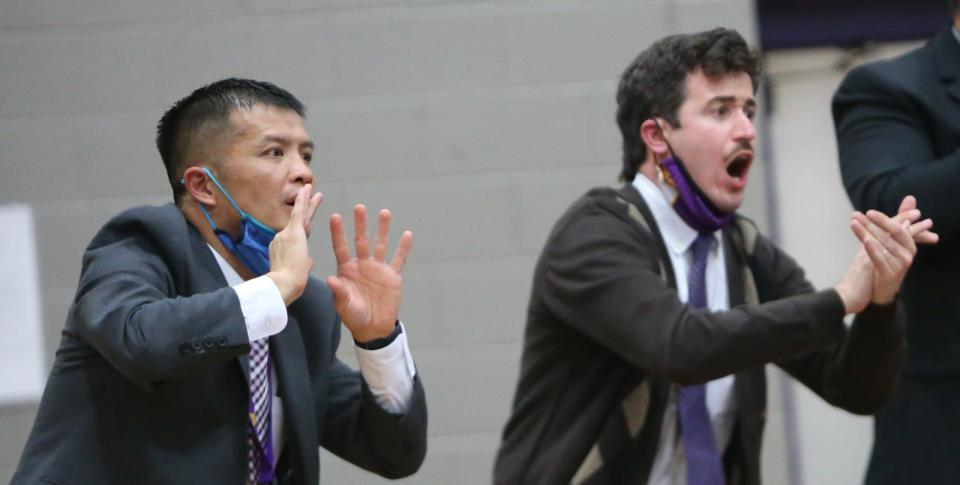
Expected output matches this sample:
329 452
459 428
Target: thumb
341 297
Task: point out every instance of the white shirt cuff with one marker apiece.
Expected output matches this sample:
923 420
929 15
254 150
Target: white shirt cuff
389 373
262 307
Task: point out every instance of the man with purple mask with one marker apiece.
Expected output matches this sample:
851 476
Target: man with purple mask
655 307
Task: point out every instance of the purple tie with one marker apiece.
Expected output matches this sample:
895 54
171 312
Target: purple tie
703 461
259 439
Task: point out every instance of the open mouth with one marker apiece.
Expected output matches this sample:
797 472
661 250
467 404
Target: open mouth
738 167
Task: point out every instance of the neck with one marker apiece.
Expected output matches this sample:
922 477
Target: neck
192 212
649 169
687 200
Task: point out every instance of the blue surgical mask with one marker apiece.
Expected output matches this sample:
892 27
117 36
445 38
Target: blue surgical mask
252 247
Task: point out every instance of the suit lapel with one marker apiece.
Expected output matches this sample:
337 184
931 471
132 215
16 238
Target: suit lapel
289 359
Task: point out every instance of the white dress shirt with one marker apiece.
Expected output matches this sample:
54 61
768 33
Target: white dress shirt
670 464
388 371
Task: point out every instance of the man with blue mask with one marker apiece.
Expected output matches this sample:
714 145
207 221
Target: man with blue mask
655 306
199 349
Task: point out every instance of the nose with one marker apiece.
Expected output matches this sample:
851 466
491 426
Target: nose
301 173
744 129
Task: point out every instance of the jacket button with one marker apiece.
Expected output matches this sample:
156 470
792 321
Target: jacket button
184 348
208 342
221 341
197 345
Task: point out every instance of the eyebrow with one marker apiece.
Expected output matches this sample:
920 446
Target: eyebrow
731 99
283 141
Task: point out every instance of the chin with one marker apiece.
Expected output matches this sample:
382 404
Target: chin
729 204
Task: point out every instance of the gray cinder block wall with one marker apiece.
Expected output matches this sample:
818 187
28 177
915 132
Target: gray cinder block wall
476 122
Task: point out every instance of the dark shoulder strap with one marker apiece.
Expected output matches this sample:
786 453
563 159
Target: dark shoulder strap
744 235
638 211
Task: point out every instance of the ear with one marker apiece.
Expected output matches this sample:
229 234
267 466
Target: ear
653 138
198 185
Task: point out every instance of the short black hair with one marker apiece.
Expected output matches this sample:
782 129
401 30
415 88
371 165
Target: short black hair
210 106
654 84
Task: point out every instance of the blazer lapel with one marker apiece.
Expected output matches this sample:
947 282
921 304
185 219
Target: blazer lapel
289 359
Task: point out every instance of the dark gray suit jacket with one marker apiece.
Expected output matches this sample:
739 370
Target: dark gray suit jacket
149 385
604 320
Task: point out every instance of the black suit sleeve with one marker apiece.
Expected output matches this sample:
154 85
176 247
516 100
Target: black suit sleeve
602 279
125 309
886 152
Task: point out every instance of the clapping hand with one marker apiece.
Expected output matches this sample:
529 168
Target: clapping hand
888 246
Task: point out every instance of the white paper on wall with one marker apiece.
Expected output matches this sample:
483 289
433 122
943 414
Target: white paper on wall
21 328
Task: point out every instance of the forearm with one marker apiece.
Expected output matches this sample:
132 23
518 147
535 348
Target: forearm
149 337
932 182
870 359
358 429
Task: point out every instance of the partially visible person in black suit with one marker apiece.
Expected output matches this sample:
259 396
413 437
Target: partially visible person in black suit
198 348
655 307
898 132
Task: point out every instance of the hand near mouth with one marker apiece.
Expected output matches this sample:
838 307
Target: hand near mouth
290 261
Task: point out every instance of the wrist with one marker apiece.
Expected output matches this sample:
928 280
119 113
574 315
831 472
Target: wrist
380 342
883 299
289 289
365 336
849 305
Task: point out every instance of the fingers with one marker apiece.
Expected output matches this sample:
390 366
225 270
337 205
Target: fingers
897 229
892 236
342 251
360 238
338 237
312 204
299 207
873 249
922 234
909 202
403 250
382 242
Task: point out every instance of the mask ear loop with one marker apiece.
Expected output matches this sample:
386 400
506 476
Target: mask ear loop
661 170
203 208
683 170
224 192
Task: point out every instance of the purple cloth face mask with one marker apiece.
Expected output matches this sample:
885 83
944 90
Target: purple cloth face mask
690 203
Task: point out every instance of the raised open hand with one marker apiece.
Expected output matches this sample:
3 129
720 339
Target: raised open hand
366 289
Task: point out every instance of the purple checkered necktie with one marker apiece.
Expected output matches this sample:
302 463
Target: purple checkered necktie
704 466
259 439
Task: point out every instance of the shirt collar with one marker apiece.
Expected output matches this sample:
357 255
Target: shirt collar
677 235
233 278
